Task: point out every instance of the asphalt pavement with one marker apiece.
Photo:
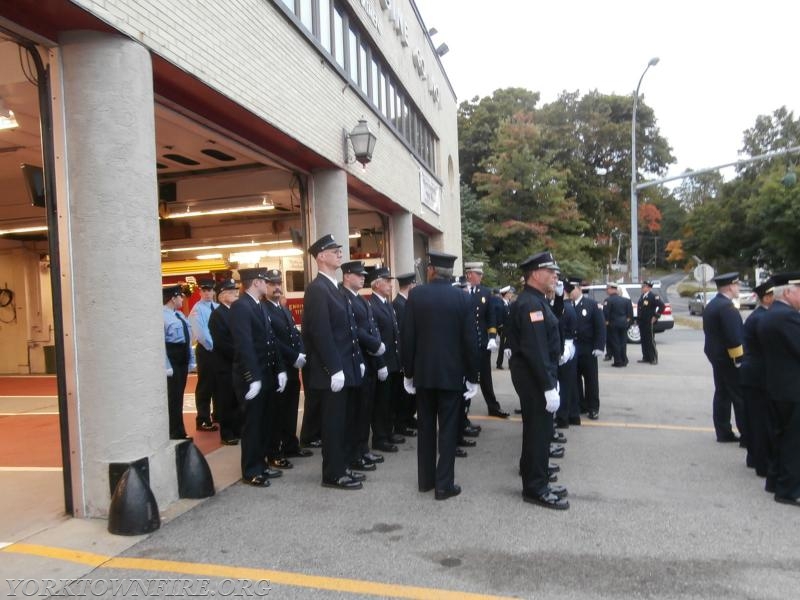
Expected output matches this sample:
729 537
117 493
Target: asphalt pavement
659 509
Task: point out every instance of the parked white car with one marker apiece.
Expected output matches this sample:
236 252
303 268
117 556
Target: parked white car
632 292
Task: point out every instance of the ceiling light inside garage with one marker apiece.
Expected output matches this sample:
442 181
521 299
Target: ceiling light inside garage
7 118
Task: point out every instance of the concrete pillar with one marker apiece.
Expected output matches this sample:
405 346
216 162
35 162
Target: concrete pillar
329 208
402 236
110 247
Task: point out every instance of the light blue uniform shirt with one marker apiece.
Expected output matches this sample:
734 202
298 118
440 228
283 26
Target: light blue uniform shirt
201 313
173 333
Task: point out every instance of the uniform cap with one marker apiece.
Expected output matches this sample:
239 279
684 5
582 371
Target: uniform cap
379 273
726 279
406 279
354 266
461 282
326 242
543 260
441 259
206 284
612 284
765 288
274 276
227 284
788 278
473 266
506 289
649 283
253 273
170 291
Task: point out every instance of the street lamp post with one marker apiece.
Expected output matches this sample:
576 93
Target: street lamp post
634 199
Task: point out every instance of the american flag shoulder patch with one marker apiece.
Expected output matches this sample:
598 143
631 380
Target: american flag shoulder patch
537 316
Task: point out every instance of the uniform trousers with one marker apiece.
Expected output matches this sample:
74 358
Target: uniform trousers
283 437
568 383
382 411
588 380
760 433
537 431
402 406
311 429
226 404
618 344
178 355
206 387
501 349
727 394
485 379
787 449
256 415
366 400
442 407
338 430
649 352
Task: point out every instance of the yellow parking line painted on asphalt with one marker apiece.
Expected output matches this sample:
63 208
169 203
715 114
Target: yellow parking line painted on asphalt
354 586
586 423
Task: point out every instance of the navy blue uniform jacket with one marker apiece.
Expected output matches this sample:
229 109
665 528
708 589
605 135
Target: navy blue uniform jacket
256 356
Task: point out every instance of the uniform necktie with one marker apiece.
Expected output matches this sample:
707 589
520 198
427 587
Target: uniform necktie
185 334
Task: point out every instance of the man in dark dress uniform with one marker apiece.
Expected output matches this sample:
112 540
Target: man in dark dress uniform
283 439
648 311
779 334
440 352
723 329
380 281
618 313
589 343
569 412
225 402
535 344
372 351
753 379
334 364
485 325
503 310
406 407
258 373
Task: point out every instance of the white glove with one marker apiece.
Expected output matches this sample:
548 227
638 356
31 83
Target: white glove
363 368
564 358
383 373
492 345
571 345
553 400
300 362
560 288
282 379
507 353
379 352
337 381
472 389
408 384
255 388
598 353
170 372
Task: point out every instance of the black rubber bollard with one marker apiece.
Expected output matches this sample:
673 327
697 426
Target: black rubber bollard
133 509
194 475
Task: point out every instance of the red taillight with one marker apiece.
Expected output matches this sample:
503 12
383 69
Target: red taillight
667 309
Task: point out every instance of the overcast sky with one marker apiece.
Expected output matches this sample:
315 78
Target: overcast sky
721 63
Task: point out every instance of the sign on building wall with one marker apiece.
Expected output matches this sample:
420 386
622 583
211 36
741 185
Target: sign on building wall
430 192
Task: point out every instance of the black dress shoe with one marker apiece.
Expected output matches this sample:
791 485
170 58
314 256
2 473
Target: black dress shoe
618 364
562 424
461 453
465 443
256 481
517 411
384 447
559 438
207 427
361 465
642 361
552 468
280 463
407 432
728 438
547 500
654 362
425 488
559 490
470 432
593 415
782 500
606 358
474 425
373 458
299 453
396 439
445 494
556 451
500 367
498 412
343 483
552 477
314 444
230 442
272 473
355 476
574 420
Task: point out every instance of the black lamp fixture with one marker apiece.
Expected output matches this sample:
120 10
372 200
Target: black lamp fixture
363 142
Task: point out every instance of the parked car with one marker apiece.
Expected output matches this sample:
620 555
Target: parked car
598 293
747 298
698 302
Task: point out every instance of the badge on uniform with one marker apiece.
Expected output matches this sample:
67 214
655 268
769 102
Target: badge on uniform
583 312
483 300
646 302
537 316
